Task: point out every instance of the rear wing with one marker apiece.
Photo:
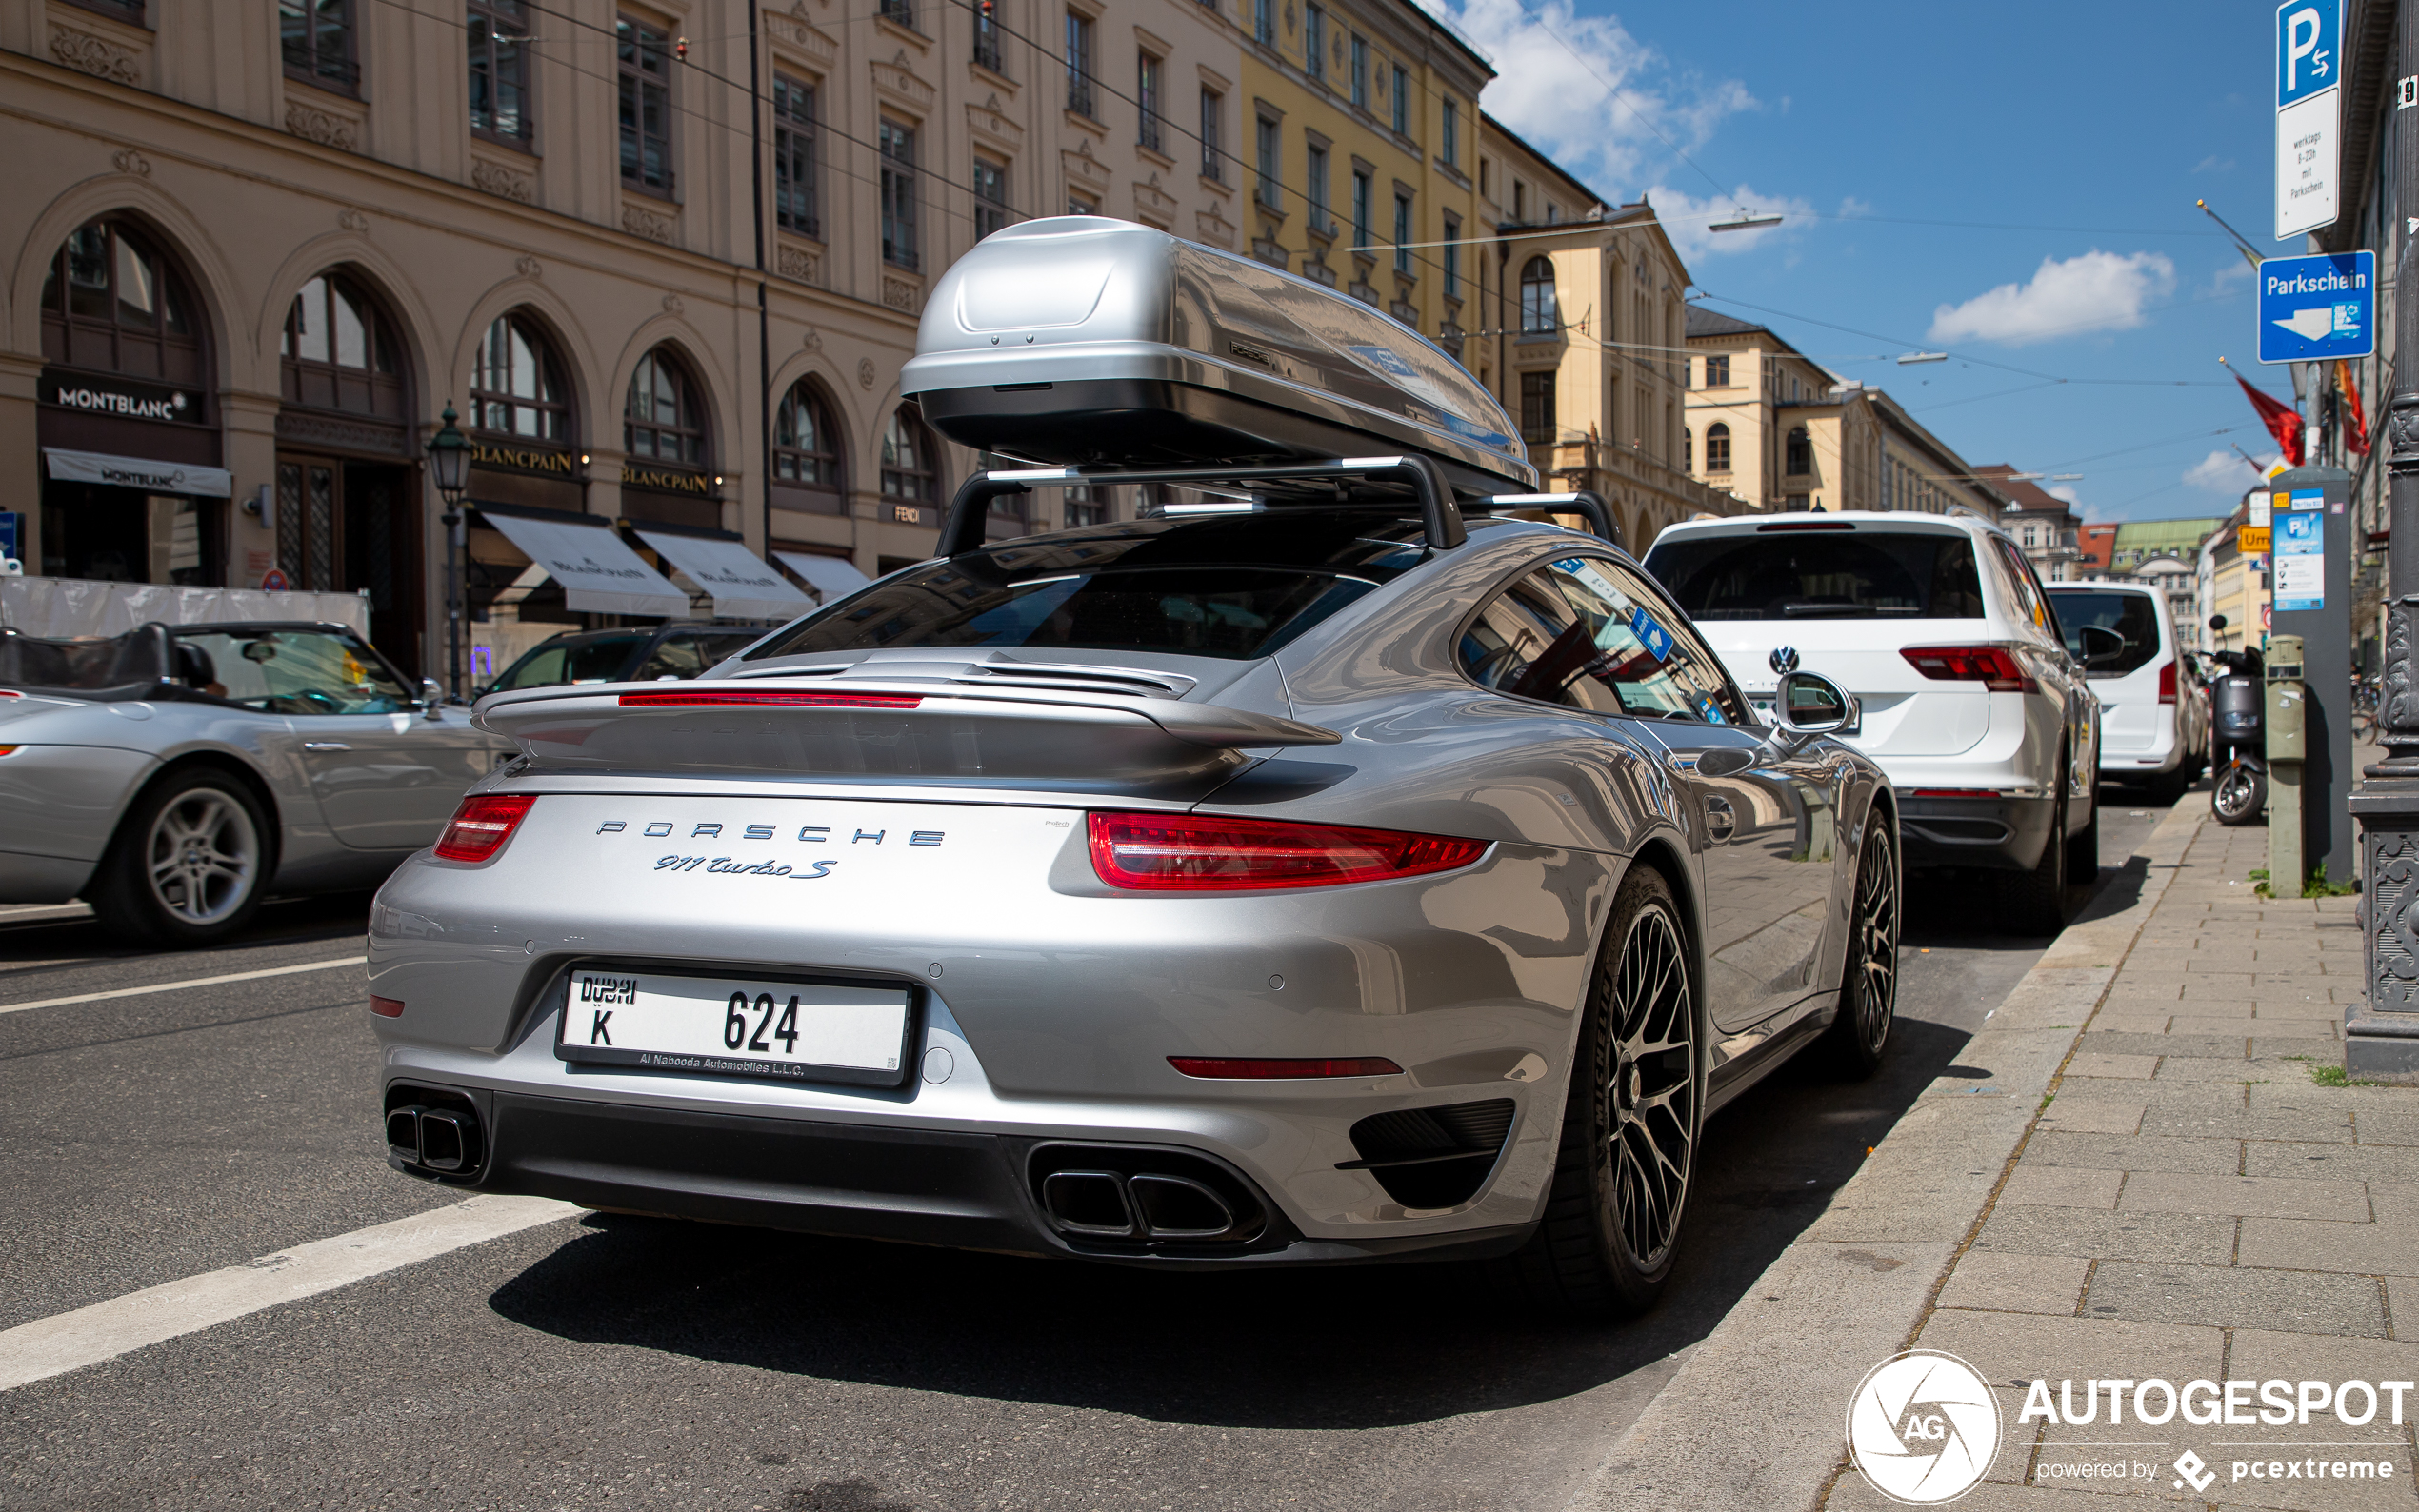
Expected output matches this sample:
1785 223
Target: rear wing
879 728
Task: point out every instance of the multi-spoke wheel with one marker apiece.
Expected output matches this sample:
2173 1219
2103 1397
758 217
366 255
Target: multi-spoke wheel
187 865
1869 981
1631 1118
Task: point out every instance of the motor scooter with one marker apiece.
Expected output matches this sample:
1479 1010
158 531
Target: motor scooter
2238 789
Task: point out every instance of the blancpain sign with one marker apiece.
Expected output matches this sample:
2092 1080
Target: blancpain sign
137 473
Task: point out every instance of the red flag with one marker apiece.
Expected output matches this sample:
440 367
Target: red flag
2356 424
2282 420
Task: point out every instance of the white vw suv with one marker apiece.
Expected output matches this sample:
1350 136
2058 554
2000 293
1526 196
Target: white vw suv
1971 701
2156 721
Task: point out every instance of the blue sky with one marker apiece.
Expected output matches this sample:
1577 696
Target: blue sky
2084 131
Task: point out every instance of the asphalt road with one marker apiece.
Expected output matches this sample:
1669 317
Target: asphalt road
634 1362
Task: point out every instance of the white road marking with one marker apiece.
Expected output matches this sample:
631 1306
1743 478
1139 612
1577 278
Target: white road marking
88 1336
189 982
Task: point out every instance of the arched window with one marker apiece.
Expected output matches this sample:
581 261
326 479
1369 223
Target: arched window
1799 452
112 303
1717 448
805 447
340 351
910 460
516 383
665 419
1539 315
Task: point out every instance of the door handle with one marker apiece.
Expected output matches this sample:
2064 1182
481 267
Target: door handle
1720 820
325 745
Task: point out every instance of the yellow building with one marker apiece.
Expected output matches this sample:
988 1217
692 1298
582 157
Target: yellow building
1359 132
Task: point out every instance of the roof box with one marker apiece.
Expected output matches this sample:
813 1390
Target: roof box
1087 341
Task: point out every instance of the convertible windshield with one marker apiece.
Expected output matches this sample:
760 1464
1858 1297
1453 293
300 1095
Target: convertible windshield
1236 586
293 671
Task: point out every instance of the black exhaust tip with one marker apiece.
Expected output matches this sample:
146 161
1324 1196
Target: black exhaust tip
434 1132
1178 1207
1090 1203
449 1141
1119 1196
403 1134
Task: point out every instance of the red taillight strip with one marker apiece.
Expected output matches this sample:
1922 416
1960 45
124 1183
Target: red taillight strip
1209 853
1995 666
1805 525
482 826
1228 1069
701 697
386 1007
2166 683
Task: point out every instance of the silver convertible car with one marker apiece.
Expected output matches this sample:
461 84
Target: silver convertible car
174 777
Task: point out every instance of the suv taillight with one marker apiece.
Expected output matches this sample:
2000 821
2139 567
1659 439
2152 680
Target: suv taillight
481 826
1201 853
1995 666
2167 684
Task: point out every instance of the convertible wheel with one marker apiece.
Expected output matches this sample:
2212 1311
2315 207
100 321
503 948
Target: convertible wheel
187 865
1869 983
1630 1122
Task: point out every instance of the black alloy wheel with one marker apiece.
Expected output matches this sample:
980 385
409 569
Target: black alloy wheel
2034 903
2083 846
1869 978
1630 1120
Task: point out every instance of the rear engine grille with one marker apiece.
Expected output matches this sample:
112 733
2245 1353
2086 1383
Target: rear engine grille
1433 1157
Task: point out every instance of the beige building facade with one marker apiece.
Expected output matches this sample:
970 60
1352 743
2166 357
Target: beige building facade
255 251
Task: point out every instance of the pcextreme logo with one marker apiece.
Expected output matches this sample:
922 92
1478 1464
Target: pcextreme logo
1923 1428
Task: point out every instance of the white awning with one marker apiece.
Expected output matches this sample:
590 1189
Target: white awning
742 585
599 573
137 473
830 576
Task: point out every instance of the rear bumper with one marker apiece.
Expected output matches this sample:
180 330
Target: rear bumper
1998 834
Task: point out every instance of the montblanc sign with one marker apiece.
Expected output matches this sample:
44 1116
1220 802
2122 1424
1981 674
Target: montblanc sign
120 398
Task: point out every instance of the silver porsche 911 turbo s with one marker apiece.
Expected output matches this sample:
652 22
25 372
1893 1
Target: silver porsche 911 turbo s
1335 869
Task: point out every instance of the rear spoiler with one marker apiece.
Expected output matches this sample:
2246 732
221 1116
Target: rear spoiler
896 727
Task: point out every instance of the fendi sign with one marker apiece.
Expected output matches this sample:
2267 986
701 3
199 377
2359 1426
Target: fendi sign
522 459
664 482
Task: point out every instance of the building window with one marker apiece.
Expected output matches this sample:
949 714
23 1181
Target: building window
1315 191
1537 408
1688 449
990 197
898 194
1402 233
1314 41
664 419
1798 453
1361 70
1360 210
1264 22
1214 158
1079 204
1085 504
647 107
902 11
1272 177
499 32
1079 63
1717 372
316 38
793 156
986 34
110 304
1452 250
1448 136
806 449
516 383
1539 314
1717 448
1402 101
1147 99
910 466
339 352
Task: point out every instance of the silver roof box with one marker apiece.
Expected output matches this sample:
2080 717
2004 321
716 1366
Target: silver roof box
1090 342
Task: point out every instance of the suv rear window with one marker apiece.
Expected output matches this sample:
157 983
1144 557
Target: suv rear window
2129 614
1862 574
1237 586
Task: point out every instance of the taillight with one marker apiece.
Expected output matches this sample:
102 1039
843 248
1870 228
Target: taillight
2167 684
1200 853
481 826
1287 1069
386 1007
717 697
1995 666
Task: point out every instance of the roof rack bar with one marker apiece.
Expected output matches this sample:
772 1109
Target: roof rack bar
962 528
1586 502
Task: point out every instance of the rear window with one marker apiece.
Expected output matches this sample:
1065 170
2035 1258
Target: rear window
1861 574
1237 586
558 662
2129 614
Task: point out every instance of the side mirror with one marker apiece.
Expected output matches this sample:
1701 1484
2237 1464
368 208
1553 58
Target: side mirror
2218 622
2102 646
1808 704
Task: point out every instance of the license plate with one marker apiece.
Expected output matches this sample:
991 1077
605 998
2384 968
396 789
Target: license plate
781 1030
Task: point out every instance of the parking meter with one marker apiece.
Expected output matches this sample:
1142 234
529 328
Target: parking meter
2287 750
2287 700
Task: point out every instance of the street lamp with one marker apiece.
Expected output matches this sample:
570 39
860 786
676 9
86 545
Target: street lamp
449 468
1747 220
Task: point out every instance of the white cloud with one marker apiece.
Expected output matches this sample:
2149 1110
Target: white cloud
2096 290
2214 163
2064 491
1564 103
2224 472
1684 218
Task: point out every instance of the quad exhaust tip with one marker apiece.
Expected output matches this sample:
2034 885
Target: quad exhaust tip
434 1139
1144 1196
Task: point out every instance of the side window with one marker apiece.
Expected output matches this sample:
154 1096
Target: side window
2030 602
1609 590
1573 633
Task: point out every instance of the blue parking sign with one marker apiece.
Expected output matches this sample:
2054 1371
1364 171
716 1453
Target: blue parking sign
2309 48
2319 308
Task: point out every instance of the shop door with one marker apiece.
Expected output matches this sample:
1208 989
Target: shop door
346 527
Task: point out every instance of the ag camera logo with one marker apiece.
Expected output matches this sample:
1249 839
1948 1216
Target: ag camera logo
1923 1428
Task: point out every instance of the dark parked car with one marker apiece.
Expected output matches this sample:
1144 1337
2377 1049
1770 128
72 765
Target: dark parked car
639 654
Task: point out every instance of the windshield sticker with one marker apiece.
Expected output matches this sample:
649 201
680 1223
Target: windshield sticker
1654 636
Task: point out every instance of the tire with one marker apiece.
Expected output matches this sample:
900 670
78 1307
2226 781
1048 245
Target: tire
2034 903
188 865
2083 846
2239 795
1859 1034
1630 1121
